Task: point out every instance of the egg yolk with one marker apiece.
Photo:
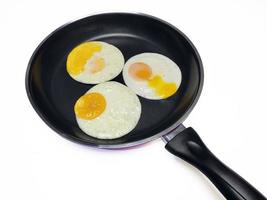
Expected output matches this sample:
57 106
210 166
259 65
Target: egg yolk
90 106
78 57
98 65
162 88
140 71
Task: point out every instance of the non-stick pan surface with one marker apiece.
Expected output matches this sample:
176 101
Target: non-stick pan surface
53 92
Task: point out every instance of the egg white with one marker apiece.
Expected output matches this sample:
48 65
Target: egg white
160 65
114 62
121 115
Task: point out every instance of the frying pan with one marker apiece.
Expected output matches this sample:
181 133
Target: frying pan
52 92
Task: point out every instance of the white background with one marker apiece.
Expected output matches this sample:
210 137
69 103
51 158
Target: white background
231 36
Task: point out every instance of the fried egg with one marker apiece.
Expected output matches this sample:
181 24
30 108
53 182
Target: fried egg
108 110
94 62
152 75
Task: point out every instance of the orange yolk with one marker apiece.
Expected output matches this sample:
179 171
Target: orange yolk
98 65
90 106
140 71
78 57
162 88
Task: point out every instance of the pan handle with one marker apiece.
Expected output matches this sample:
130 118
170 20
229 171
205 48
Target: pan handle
189 146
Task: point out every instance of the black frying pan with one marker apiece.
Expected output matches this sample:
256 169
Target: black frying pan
53 92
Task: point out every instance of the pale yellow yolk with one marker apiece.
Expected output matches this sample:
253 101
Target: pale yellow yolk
98 65
162 88
78 57
90 106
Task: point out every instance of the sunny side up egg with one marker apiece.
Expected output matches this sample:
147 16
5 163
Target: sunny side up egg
152 76
94 62
108 110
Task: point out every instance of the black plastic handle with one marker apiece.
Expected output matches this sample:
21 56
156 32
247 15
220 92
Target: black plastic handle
189 146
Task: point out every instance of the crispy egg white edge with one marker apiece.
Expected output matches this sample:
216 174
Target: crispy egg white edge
114 62
158 63
122 113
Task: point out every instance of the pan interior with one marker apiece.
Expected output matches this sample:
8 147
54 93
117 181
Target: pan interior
53 92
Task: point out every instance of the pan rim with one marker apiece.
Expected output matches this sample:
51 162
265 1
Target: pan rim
127 144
